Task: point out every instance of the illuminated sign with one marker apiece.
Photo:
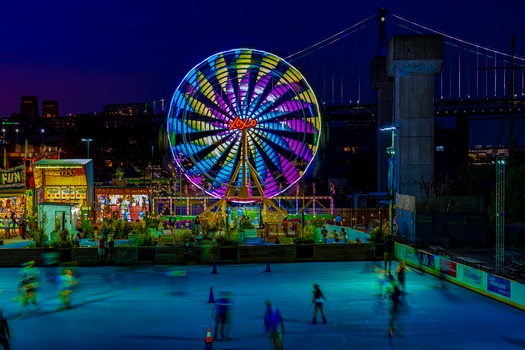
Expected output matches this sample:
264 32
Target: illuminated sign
13 178
240 124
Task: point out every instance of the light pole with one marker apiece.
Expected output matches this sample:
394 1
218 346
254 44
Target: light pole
42 131
88 140
16 131
391 151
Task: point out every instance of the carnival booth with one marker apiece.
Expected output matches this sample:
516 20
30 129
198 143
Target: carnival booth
58 216
12 194
126 203
68 182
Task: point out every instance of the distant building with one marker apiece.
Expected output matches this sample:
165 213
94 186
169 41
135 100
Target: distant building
50 109
480 155
29 107
126 109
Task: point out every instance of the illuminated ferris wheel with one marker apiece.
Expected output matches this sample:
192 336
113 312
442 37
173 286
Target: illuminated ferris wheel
243 123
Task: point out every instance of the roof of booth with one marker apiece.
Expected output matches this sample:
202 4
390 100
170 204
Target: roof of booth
51 163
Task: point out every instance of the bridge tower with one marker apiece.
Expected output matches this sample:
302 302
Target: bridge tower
413 60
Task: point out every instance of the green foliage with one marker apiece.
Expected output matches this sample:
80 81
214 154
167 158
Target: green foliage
379 234
317 222
246 223
231 239
146 239
309 230
187 236
135 228
308 236
121 229
62 240
305 239
210 227
89 232
115 215
153 221
58 224
36 232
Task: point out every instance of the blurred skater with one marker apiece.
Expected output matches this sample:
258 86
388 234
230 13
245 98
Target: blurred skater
4 332
318 302
29 279
401 272
394 296
383 281
273 321
176 284
221 314
388 254
66 281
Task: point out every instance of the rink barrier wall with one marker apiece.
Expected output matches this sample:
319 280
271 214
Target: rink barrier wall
198 254
488 284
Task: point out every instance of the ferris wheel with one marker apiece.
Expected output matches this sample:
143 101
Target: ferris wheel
243 123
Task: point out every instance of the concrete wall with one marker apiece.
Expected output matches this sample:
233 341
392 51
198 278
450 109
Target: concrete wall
412 61
450 221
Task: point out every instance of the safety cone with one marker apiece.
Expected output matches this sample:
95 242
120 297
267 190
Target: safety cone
211 299
208 341
214 271
268 266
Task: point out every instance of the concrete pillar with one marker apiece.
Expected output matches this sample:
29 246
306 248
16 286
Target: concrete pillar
413 61
384 116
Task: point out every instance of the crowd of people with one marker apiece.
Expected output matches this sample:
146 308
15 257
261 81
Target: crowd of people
13 225
392 288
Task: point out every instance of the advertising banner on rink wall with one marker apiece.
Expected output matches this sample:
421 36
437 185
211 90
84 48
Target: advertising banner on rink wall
12 178
494 286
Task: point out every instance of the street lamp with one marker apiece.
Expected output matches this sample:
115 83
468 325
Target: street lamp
42 131
88 140
391 151
16 130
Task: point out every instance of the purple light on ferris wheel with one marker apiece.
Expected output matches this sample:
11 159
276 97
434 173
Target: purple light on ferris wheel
249 97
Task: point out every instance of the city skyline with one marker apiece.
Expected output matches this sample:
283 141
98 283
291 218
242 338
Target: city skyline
87 57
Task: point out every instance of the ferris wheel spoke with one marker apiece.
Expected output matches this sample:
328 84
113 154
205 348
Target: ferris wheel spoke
282 147
248 92
213 96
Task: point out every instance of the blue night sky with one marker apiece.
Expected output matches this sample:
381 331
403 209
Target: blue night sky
89 54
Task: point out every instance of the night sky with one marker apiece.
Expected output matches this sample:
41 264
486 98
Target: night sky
89 54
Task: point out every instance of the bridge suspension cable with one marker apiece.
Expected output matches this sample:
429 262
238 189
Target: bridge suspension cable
457 39
330 40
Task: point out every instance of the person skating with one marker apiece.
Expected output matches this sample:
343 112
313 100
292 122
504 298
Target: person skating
66 283
394 296
221 315
273 321
388 254
318 302
29 279
401 272
5 335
